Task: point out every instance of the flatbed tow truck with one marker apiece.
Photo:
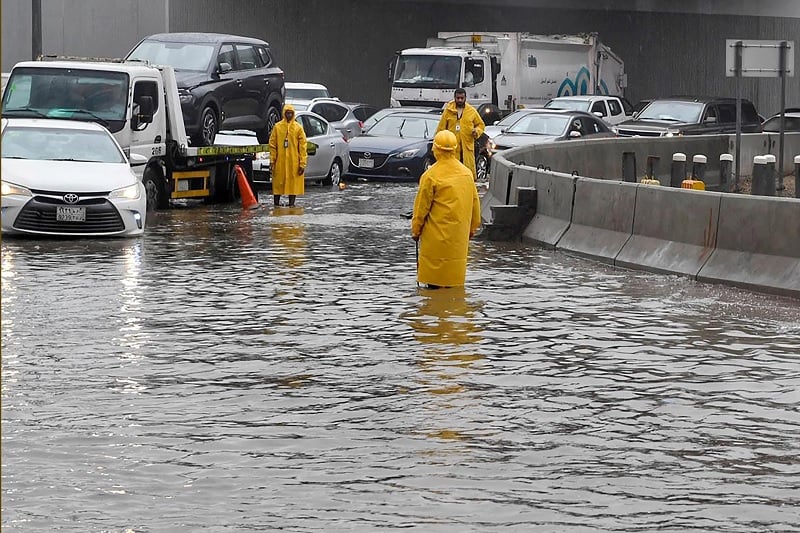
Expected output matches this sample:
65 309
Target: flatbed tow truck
140 106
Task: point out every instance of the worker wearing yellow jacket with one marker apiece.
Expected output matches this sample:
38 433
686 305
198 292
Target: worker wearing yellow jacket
464 121
288 154
447 213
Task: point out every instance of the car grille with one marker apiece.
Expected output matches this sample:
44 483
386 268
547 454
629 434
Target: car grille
379 159
39 214
631 133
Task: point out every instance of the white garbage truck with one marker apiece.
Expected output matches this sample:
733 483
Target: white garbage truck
139 104
508 70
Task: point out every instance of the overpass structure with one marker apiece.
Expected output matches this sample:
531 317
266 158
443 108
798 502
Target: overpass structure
675 47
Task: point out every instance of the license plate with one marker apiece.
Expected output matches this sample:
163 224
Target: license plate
70 214
366 163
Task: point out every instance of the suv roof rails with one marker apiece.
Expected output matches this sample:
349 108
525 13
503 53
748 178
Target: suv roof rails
47 57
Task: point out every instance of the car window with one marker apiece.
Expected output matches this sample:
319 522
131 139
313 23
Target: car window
474 67
727 113
749 115
264 55
313 126
540 124
599 107
362 113
590 127
672 111
248 58
329 111
616 109
226 55
711 113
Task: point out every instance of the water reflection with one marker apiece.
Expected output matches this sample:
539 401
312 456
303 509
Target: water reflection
444 323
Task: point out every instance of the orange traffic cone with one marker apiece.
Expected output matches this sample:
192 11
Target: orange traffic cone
249 200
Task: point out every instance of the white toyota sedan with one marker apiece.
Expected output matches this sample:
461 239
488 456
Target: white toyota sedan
67 178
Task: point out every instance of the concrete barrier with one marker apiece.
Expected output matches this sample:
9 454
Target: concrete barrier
674 230
758 245
602 218
553 208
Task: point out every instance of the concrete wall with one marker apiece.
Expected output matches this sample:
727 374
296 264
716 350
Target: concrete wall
347 44
747 241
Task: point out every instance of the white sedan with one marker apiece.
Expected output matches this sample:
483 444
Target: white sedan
67 178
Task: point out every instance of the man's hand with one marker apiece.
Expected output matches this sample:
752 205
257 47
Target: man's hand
415 237
300 170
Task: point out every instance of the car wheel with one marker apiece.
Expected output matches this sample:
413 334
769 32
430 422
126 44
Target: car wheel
482 168
334 174
156 189
273 117
209 127
427 164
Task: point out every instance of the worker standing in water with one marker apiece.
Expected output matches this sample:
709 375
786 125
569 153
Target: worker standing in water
466 124
447 213
288 155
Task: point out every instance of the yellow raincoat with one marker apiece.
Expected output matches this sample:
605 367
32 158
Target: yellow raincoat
447 212
462 128
287 154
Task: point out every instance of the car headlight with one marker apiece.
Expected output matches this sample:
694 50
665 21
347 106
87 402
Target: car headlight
10 188
185 96
131 192
407 153
672 133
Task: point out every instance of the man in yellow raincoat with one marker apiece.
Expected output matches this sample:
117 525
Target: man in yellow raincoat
288 154
466 123
447 213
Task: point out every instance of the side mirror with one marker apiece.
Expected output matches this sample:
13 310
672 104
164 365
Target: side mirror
224 67
137 160
311 148
574 134
143 111
710 120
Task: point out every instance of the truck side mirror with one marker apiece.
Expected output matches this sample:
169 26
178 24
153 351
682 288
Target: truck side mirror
390 69
143 111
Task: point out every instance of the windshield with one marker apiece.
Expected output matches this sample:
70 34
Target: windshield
672 111
572 105
306 94
405 126
432 71
77 94
536 124
193 57
61 144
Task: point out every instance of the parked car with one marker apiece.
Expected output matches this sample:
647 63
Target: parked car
300 94
225 82
339 114
791 121
609 108
550 125
64 177
397 147
6 75
327 151
686 115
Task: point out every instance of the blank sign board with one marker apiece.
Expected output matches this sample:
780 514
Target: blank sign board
760 59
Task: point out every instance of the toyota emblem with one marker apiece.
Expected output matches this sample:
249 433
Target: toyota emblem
71 198
368 155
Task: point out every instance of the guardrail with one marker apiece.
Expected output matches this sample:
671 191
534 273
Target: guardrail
584 207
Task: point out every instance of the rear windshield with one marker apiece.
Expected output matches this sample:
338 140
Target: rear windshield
306 94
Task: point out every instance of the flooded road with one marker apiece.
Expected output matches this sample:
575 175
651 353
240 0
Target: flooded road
280 370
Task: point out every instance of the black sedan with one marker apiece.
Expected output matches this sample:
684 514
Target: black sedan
397 147
550 125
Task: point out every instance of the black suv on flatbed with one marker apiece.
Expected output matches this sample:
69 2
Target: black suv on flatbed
667 117
225 82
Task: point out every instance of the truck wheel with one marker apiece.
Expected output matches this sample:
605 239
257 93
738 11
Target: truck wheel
334 174
156 189
209 127
273 117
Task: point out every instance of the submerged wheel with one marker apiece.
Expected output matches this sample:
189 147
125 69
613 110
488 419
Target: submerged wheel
209 127
334 174
156 189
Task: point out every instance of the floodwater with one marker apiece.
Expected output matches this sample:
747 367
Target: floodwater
280 370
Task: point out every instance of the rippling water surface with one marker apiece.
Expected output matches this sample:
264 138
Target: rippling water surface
279 370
